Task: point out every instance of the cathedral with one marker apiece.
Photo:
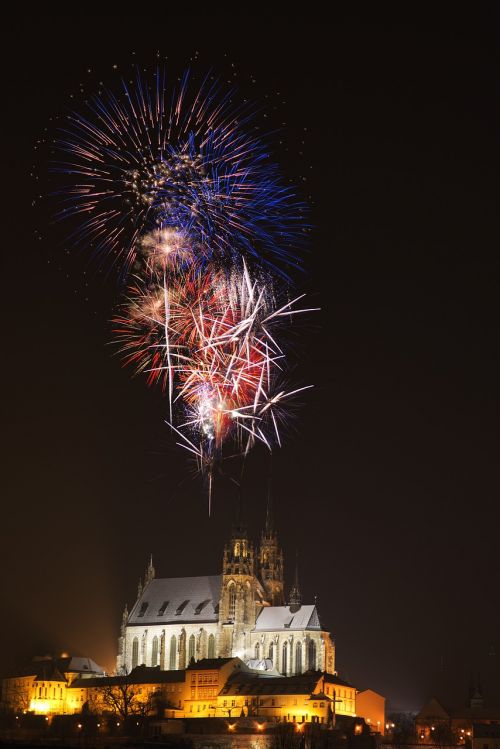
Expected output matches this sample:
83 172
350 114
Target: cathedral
241 612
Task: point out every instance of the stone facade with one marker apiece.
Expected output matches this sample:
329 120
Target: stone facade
240 613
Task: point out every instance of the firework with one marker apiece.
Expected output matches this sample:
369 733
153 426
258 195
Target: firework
171 184
175 158
211 341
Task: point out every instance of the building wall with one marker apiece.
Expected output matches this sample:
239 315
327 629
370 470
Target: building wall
322 658
371 707
167 660
239 641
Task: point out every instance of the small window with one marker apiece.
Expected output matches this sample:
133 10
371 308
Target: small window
143 609
201 606
163 608
181 607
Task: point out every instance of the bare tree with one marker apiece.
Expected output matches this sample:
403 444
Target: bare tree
123 700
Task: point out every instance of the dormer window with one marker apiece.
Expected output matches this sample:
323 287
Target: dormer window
201 606
163 608
143 609
181 608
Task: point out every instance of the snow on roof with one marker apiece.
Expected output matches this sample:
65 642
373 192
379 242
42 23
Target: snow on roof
76 664
282 618
178 599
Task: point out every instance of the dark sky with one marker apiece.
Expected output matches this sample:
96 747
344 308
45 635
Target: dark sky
388 487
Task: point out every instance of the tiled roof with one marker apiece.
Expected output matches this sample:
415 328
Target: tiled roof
276 618
73 664
178 599
210 664
139 675
249 684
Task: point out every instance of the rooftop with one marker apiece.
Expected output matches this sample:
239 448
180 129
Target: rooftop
178 600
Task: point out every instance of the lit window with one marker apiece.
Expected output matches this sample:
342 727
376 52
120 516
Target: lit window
232 601
135 652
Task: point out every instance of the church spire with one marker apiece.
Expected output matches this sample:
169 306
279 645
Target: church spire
150 572
124 620
295 595
271 557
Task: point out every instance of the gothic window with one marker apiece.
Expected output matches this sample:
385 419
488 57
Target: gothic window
211 646
236 550
135 652
284 664
271 652
173 654
191 648
232 600
257 651
311 655
298 658
154 652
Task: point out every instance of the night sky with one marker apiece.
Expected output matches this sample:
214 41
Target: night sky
388 484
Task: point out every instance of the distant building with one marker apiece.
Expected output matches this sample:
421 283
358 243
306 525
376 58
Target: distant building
41 687
486 736
221 646
435 718
239 613
371 706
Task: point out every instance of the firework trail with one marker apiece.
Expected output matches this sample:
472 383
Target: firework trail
176 167
170 185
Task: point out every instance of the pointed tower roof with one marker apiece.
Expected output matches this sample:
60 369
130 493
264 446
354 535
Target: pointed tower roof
295 595
150 572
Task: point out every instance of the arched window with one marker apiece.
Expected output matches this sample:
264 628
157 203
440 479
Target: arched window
257 651
232 600
211 646
236 550
311 655
173 653
298 658
154 652
284 663
271 652
135 652
191 647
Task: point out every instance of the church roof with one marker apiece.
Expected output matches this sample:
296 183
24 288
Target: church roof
178 600
276 618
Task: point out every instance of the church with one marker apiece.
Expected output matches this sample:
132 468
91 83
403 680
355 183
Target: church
242 613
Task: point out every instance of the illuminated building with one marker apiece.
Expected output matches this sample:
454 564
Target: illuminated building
371 706
240 612
434 718
42 687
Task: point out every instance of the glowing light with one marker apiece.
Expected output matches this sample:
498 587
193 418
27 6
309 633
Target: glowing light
172 186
